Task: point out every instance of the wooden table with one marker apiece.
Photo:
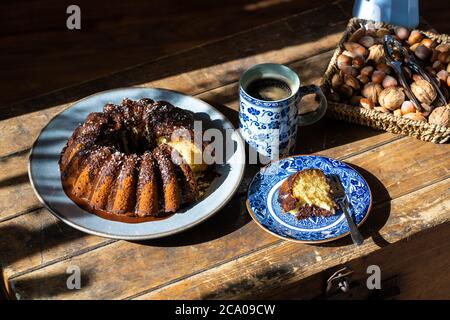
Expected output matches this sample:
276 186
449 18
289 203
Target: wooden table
229 256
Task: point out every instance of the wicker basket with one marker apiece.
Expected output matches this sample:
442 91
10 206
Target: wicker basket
377 120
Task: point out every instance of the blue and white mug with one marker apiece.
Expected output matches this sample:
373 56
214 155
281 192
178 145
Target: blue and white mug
270 127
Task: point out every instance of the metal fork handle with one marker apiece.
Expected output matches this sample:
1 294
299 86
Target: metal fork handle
357 237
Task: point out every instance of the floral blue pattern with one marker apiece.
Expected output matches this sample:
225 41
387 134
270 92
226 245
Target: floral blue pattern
258 121
263 203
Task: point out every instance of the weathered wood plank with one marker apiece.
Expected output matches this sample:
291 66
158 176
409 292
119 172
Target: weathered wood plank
344 139
269 270
32 240
246 237
420 270
197 70
37 44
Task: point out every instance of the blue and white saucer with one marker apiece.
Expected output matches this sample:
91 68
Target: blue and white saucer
263 206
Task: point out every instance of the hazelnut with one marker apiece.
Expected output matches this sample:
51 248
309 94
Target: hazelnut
348 54
434 55
448 68
333 97
358 34
442 75
349 70
414 37
363 79
351 82
397 113
430 70
448 81
443 47
402 33
358 62
371 91
440 116
414 47
444 57
389 81
366 41
367 71
366 103
354 101
376 53
391 98
437 65
427 42
384 67
378 76
346 90
343 60
422 52
407 107
381 109
336 81
355 48
417 77
415 116
423 91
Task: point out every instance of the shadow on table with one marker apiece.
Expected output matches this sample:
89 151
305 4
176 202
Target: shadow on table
304 30
378 216
50 286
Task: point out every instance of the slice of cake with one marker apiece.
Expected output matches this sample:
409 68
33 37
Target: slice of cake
307 193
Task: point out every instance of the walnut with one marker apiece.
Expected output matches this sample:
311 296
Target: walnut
376 53
391 98
440 116
423 91
371 91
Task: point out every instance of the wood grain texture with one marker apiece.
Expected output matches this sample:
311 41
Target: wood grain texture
115 35
193 72
228 256
243 238
418 268
36 44
269 270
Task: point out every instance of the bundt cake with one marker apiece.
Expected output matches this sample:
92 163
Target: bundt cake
307 193
134 160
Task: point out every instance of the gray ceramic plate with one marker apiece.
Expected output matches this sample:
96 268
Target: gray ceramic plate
45 176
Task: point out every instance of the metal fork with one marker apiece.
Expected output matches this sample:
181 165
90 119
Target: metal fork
340 197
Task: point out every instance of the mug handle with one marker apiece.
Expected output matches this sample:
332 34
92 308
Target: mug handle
313 116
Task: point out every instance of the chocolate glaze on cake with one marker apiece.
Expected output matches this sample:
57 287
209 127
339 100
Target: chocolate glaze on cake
116 166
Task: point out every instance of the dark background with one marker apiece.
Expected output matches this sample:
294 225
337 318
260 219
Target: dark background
39 54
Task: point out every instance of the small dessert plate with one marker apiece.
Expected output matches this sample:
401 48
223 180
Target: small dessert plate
263 206
46 180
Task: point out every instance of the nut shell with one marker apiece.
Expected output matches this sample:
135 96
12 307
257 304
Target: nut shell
422 52
356 48
407 107
376 53
389 81
440 116
343 60
414 37
415 116
423 91
366 103
391 98
371 91
402 33
336 81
